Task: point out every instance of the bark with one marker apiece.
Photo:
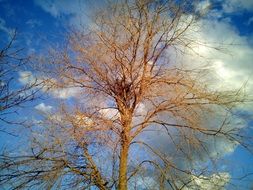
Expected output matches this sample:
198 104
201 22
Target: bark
123 167
125 143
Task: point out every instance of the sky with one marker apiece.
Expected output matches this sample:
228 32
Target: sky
229 22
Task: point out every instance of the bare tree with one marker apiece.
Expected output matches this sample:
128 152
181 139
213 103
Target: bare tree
130 90
13 95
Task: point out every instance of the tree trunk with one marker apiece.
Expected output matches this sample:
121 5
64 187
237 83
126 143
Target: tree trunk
123 166
125 143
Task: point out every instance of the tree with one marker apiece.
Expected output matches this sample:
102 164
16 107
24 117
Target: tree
123 62
12 96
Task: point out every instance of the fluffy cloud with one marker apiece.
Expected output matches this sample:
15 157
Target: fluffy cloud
43 108
109 113
145 183
236 5
27 77
79 12
215 182
230 69
55 8
64 93
232 63
203 6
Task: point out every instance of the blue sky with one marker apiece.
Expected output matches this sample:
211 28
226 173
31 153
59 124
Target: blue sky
40 22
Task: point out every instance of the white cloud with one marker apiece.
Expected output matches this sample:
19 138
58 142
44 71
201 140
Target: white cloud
237 5
33 23
4 28
49 6
27 77
203 6
64 93
79 12
232 67
2 83
109 113
230 71
143 182
215 182
56 8
141 109
83 120
232 63
43 108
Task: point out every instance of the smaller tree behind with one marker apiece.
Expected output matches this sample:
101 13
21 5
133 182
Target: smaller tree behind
13 94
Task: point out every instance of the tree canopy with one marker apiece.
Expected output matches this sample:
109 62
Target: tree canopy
140 119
